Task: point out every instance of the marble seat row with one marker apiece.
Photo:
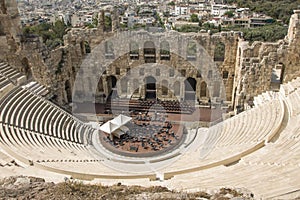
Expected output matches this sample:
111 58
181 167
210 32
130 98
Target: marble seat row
35 146
28 110
233 138
9 72
270 171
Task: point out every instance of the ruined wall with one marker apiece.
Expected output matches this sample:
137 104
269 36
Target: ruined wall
257 64
204 71
292 58
9 29
245 70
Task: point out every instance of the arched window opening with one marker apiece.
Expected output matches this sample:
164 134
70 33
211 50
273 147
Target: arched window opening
164 50
191 51
124 85
177 88
164 87
149 52
150 87
203 90
109 50
68 91
134 51
190 88
87 47
217 88
219 54
225 74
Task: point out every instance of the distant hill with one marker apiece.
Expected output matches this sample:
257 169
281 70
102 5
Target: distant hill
278 9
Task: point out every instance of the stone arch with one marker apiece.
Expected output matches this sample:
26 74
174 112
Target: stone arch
107 21
68 91
239 57
149 52
157 72
191 51
210 74
190 88
2 32
203 89
150 87
164 50
82 47
3 9
134 50
112 86
219 53
109 50
199 75
136 86
225 74
26 68
90 86
177 88
282 72
124 85
87 47
216 90
100 87
164 87
277 76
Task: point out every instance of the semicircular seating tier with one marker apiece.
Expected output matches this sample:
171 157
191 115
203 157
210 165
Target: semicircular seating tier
269 172
258 149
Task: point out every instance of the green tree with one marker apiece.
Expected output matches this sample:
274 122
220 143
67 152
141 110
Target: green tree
172 3
52 34
59 29
278 9
194 18
229 14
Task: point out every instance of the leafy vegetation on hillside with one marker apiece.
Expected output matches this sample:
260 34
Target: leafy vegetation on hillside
52 34
278 9
268 33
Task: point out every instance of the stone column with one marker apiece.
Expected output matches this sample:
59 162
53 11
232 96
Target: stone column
101 20
114 21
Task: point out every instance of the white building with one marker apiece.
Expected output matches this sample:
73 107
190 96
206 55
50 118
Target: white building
220 9
181 10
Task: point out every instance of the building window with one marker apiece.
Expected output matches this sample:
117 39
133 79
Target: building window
142 72
117 71
219 53
171 72
183 72
191 51
199 74
134 51
225 74
165 87
109 50
157 72
209 75
164 50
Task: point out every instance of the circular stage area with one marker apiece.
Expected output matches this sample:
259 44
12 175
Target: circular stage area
147 134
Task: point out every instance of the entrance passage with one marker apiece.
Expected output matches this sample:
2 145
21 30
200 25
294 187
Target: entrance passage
150 87
190 89
112 89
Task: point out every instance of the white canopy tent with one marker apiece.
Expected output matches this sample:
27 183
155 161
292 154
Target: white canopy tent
116 126
121 120
109 127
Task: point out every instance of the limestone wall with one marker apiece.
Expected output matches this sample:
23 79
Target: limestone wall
9 29
244 71
204 71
